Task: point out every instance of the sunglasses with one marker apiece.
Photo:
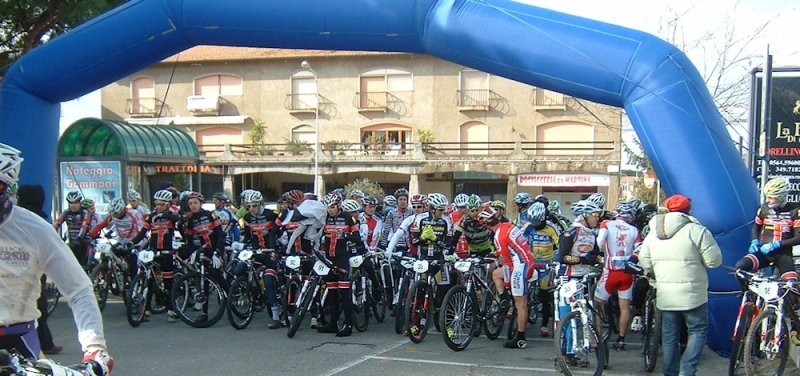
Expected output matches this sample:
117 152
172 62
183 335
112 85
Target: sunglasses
417 207
253 205
161 204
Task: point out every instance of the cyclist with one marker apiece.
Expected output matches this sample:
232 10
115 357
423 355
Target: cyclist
242 206
479 237
358 196
77 220
431 239
554 208
135 203
552 220
542 237
459 210
94 217
517 260
618 239
394 218
230 222
260 232
406 229
205 229
389 203
161 225
371 224
523 200
126 223
339 229
500 206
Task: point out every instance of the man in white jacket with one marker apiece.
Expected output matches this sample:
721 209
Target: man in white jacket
676 252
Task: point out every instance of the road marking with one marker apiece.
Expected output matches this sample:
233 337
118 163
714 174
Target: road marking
364 358
490 366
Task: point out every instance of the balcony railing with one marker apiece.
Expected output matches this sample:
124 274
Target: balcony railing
141 107
543 99
371 100
477 98
305 102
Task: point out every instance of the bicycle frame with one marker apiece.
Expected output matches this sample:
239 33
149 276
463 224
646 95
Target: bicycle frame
575 293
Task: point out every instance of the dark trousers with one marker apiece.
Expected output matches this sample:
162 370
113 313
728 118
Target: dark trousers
42 330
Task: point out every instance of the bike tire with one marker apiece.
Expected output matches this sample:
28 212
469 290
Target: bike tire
764 327
652 336
289 299
378 306
419 311
358 292
302 306
494 316
612 308
160 297
53 295
458 318
240 308
187 289
137 300
534 305
100 285
399 308
513 327
388 288
737 351
570 326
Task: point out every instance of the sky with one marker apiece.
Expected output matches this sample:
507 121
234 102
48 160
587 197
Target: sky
700 18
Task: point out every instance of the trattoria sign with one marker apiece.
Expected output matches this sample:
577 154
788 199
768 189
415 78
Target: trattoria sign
564 180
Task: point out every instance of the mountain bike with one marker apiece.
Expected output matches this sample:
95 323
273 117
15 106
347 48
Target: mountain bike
386 280
401 293
111 272
203 290
248 292
308 293
462 311
145 286
361 291
578 333
421 304
651 333
12 363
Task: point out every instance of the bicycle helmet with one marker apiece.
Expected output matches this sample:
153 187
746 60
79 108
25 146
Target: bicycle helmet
474 202
244 194
332 199
418 199
309 196
183 196
523 198
162 195
253 196
133 195
537 212
648 211
74 196
777 187
340 191
598 199
350 206
10 163
174 191
221 196
584 207
401 192
487 212
437 201
635 203
554 207
294 196
624 209
369 200
88 203
199 196
389 200
498 204
357 193
116 206
461 200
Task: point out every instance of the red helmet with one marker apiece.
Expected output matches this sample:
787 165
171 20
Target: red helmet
294 196
418 199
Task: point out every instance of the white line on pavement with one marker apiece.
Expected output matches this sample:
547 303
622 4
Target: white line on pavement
532 369
365 358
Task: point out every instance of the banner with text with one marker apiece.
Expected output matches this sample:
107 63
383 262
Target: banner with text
99 181
784 128
564 180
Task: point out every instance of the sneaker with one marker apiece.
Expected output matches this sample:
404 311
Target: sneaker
346 331
516 343
53 350
575 361
619 345
274 325
201 318
636 324
197 307
330 328
314 323
171 317
544 332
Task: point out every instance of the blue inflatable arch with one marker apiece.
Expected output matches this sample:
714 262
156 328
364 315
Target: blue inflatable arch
661 91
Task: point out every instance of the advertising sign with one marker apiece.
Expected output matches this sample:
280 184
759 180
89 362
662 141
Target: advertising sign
564 180
99 181
784 128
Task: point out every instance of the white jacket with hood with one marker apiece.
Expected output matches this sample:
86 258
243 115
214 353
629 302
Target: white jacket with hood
679 262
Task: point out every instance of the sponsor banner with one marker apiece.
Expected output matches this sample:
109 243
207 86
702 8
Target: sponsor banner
99 181
564 180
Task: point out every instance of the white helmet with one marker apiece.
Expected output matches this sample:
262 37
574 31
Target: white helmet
357 193
389 200
777 187
350 206
133 195
253 196
598 199
585 207
10 163
537 212
74 196
116 206
625 209
523 198
437 201
461 200
163 195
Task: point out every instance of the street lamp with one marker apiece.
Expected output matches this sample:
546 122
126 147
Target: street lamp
318 186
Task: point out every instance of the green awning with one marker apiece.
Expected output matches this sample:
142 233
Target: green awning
91 137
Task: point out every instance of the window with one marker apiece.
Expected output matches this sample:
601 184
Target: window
218 136
548 100
143 97
304 132
474 90
386 138
474 138
565 138
218 84
374 86
304 91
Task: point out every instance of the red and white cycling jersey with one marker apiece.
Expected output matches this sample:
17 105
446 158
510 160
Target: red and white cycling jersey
618 239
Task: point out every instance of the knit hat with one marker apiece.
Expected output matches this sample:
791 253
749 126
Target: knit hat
677 203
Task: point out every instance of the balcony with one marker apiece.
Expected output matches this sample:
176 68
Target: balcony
143 107
301 103
371 101
474 100
543 99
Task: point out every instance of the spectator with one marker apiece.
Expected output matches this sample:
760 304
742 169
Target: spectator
680 244
31 197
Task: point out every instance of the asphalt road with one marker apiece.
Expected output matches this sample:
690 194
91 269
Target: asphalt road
159 348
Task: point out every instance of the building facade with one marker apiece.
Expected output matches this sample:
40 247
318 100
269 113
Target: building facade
399 119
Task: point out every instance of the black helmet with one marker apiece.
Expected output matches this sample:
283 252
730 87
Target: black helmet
221 196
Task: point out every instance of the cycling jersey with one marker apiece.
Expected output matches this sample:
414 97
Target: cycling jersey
392 223
516 257
430 249
230 224
404 231
371 229
337 231
207 230
77 222
287 228
776 224
579 241
144 211
126 227
478 237
260 229
543 241
162 230
617 238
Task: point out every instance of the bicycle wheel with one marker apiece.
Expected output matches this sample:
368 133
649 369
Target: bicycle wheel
240 303
360 307
378 305
160 297
100 285
289 301
387 284
202 293
652 335
513 326
52 294
458 318
419 311
399 309
137 300
534 305
302 305
571 352
762 354
494 315
612 308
